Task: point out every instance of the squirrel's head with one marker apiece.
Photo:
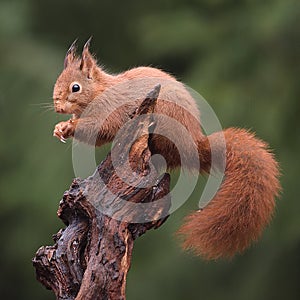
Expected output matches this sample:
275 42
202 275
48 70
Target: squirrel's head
79 83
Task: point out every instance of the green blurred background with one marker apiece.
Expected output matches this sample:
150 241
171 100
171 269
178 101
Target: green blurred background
242 56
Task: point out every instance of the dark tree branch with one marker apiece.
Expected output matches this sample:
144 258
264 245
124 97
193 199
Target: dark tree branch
92 255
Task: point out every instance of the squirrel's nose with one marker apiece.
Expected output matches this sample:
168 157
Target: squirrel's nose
59 108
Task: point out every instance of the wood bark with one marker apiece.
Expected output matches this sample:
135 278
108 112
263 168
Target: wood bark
91 256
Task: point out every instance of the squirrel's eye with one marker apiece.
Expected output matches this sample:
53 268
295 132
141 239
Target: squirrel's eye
75 88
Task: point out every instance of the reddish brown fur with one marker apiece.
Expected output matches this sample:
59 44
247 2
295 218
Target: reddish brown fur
245 202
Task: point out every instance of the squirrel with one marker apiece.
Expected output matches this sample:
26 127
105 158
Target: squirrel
244 204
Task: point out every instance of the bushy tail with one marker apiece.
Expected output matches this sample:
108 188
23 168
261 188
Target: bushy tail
244 204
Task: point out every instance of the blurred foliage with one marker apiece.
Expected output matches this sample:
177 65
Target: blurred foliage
242 56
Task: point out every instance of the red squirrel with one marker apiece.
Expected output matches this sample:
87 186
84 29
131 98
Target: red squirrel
245 202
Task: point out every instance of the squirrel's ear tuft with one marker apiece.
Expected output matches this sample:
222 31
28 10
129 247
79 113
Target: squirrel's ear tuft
88 63
70 55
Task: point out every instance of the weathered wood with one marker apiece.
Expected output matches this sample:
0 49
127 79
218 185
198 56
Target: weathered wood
92 255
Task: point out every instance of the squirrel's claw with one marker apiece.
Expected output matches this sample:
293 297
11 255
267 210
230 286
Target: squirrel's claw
64 130
58 134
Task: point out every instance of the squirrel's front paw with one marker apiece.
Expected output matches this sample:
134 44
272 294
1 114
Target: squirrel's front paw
64 130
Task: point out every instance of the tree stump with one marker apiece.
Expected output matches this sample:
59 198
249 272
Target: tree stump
91 256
